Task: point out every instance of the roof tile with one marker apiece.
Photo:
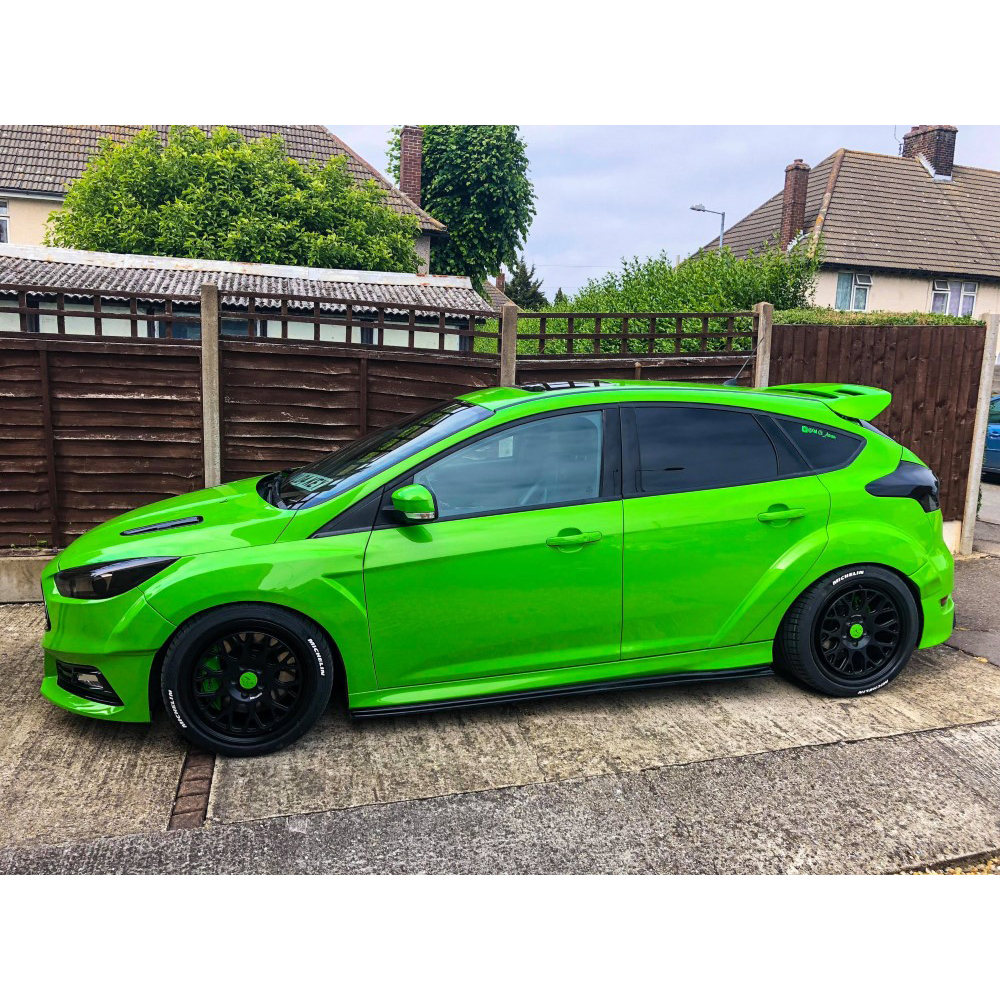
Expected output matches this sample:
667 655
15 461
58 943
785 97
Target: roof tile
888 212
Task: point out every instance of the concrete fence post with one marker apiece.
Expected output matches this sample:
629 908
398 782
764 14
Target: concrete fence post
762 363
508 345
979 434
211 410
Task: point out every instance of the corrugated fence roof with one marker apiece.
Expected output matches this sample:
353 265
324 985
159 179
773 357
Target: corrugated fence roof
147 277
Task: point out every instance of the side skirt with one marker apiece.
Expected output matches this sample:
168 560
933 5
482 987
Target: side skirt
624 684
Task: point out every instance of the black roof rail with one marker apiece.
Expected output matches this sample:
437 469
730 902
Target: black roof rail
552 386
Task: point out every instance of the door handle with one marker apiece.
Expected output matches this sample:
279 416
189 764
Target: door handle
578 538
788 514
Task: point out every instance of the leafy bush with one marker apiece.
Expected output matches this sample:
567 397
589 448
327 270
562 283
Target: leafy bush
220 197
711 281
834 317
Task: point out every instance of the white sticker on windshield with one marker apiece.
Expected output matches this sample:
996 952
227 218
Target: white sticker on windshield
506 447
309 481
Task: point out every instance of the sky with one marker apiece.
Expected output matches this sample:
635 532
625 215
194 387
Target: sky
604 192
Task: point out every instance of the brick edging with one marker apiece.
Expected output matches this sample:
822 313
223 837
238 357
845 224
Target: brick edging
191 800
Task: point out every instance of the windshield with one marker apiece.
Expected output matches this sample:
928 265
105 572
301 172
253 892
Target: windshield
366 457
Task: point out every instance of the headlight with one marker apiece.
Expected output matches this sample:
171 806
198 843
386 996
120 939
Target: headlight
104 580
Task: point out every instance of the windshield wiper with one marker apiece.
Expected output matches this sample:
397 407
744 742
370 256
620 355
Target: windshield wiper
273 495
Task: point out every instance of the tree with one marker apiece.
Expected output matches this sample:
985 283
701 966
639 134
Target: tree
560 299
219 196
475 181
524 289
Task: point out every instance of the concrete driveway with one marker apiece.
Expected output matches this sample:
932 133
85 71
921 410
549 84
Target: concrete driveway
740 776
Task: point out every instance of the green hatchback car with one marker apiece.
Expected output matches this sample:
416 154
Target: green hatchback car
513 543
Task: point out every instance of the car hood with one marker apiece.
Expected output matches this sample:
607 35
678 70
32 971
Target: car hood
232 516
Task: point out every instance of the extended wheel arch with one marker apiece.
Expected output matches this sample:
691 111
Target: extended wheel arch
813 647
815 578
156 670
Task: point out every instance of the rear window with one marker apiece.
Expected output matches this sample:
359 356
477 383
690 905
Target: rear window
824 448
685 448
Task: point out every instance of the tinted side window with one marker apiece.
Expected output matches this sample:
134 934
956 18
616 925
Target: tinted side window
823 447
692 448
554 460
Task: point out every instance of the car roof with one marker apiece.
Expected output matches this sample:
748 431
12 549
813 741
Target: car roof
817 399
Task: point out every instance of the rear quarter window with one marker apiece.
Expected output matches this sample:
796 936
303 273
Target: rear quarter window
824 448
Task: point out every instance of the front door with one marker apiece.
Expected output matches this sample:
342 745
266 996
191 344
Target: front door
522 569
711 527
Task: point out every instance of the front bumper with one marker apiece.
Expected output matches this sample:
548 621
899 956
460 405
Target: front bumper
119 637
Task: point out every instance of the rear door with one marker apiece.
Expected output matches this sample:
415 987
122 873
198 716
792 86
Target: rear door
717 515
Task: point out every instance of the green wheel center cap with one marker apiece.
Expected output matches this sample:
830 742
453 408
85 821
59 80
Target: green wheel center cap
248 680
857 630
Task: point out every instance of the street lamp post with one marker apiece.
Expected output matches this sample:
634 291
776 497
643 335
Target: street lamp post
722 221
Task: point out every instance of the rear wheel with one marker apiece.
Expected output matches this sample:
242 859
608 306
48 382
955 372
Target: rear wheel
850 633
247 679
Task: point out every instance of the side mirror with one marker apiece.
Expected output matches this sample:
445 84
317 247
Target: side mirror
414 504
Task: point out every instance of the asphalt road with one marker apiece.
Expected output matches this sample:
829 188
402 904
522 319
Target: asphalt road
740 776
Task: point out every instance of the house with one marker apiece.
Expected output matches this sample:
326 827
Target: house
37 162
494 292
121 277
914 232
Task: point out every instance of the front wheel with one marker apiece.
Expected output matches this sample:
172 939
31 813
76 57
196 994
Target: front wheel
246 680
850 633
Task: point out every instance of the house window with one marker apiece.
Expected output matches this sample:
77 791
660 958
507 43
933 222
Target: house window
852 291
953 298
4 222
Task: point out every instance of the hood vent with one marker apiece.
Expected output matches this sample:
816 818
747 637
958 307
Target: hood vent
163 525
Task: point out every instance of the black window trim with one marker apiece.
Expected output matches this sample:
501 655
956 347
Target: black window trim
768 422
345 522
610 467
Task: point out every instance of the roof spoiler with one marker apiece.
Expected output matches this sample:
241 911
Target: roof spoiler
858 402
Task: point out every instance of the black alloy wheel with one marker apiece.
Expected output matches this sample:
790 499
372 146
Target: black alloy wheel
858 632
247 679
850 633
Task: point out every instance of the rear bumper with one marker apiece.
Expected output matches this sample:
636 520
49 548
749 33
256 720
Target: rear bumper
119 637
939 620
935 581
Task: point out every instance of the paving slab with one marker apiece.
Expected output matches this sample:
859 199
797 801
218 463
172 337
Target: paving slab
342 764
63 777
977 606
877 805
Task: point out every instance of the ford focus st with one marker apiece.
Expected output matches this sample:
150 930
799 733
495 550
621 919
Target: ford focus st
514 543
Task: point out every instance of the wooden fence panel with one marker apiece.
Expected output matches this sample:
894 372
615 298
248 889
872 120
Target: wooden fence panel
288 403
284 404
91 429
126 427
400 387
25 506
933 375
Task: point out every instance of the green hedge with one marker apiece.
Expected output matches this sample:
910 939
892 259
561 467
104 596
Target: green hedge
835 317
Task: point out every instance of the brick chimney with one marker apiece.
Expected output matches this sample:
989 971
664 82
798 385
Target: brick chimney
411 161
793 201
501 281
936 143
